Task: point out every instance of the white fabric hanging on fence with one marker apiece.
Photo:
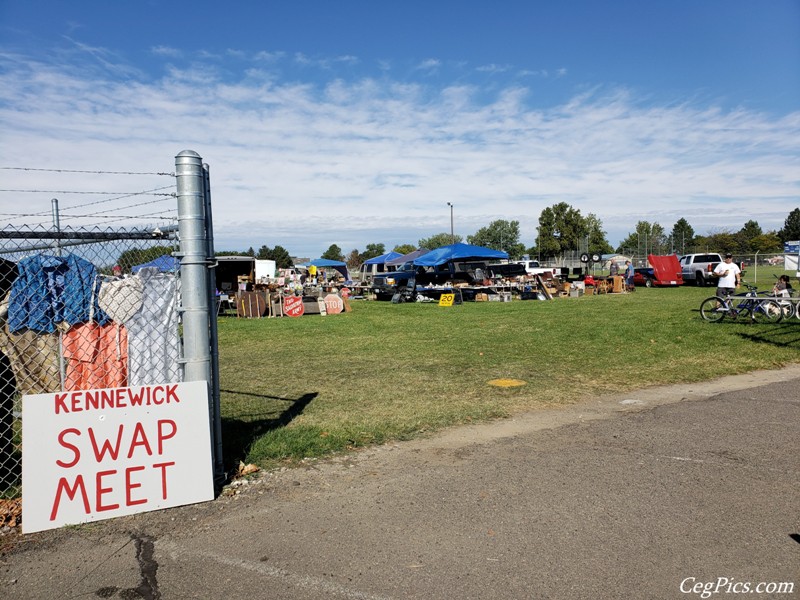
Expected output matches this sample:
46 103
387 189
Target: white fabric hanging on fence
153 341
121 299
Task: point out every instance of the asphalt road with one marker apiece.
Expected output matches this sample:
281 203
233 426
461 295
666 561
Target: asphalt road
650 495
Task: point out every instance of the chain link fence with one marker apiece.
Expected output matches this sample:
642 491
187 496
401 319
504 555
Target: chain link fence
95 306
83 308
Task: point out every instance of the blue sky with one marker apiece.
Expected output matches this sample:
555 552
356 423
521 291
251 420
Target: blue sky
356 122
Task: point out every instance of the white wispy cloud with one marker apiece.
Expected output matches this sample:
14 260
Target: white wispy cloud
269 56
166 51
493 68
306 163
429 64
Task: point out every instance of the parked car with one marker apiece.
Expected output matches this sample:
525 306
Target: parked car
409 275
532 267
663 271
643 276
699 268
506 270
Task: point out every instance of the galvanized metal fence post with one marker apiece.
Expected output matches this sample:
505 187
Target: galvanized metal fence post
219 467
195 297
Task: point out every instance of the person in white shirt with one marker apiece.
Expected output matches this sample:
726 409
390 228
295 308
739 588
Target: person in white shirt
730 276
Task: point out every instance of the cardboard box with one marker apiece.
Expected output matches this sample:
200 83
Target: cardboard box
619 284
481 297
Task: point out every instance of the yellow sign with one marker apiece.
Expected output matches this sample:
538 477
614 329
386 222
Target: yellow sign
506 382
447 299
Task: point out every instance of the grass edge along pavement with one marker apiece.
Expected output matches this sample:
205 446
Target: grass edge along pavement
311 386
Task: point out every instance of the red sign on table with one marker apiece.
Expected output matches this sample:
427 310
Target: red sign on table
293 306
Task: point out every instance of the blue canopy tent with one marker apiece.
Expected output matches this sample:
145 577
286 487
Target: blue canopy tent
410 257
383 258
332 264
165 264
459 251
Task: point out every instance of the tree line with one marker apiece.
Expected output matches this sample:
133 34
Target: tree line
562 228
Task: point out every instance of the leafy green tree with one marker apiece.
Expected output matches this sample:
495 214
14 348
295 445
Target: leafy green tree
719 241
649 238
561 227
354 259
404 248
499 235
231 253
279 254
282 258
438 240
766 243
682 236
138 256
333 253
746 234
598 243
791 227
250 252
372 251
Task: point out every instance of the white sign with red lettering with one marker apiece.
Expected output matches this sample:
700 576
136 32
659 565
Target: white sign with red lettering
97 454
334 304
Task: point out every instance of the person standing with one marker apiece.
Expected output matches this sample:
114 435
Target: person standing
629 276
730 276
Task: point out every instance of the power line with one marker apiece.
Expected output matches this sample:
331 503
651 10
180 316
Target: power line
77 171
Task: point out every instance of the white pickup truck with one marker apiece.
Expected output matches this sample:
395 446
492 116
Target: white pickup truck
532 267
699 268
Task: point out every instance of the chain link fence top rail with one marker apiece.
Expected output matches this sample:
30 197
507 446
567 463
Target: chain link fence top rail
82 308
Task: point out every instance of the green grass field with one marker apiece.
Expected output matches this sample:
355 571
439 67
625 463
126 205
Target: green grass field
295 388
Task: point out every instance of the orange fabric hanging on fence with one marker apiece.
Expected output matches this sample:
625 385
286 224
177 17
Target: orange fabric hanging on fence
97 356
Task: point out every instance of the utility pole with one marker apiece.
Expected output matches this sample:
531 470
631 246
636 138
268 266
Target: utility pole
452 233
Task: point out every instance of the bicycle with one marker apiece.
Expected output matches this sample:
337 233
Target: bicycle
759 310
789 309
786 300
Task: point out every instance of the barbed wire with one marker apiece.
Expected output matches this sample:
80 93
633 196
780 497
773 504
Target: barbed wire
112 219
44 217
78 171
64 215
39 214
83 192
173 217
126 217
145 192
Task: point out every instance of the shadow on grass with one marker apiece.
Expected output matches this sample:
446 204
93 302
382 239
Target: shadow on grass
266 413
783 335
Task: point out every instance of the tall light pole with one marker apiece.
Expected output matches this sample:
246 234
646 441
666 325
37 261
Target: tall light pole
452 234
